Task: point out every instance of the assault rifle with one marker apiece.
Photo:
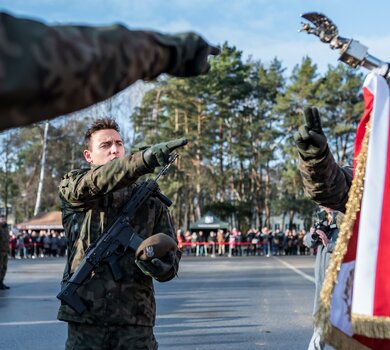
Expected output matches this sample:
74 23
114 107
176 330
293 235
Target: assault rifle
113 242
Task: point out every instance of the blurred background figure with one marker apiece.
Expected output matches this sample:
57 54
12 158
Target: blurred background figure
4 251
323 235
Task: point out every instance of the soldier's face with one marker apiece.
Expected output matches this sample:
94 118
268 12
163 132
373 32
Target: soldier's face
104 146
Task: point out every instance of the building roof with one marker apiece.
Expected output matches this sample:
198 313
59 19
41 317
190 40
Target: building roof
209 222
44 221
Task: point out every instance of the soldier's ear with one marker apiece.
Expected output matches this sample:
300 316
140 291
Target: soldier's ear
87 155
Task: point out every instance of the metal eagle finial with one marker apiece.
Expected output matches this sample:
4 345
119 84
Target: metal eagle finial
352 52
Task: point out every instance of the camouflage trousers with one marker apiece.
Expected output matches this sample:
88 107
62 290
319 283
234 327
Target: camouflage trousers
3 264
91 337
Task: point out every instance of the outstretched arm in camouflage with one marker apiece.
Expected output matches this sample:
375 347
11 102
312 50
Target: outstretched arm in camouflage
158 155
47 71
310 138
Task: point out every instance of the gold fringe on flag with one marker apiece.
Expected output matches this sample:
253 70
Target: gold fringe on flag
331 334
341 341
373 327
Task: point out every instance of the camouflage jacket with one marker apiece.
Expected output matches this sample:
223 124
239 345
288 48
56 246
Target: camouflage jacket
91 201
4 239
326 182
47 71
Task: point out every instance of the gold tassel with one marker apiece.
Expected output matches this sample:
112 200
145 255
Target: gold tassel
322 316
373 327
341 341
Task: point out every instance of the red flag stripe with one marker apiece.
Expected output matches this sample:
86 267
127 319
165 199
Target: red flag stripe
376 94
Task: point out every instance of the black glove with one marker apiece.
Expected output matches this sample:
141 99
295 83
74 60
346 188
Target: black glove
310 139
158 155
189 53
162 270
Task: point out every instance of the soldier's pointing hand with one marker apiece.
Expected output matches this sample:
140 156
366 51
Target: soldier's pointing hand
190 54
158 155
310 138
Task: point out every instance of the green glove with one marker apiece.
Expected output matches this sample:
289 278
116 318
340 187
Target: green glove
161 270
158 155
310 139
189 53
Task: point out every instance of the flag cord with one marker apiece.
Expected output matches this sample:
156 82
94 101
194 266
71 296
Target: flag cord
322 316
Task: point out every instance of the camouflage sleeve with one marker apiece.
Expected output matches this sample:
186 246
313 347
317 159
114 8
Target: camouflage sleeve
326 182
47 71
4 239
80 187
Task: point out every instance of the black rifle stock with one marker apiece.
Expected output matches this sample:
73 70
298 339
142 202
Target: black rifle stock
113 242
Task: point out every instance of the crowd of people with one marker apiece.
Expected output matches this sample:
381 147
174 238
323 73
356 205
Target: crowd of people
31 244
234 243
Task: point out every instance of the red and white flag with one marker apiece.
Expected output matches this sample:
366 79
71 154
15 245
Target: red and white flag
359 314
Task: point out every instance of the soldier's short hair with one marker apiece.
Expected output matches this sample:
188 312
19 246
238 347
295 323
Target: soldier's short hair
100 124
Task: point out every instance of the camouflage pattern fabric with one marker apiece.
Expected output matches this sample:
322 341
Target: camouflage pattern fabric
4 250
326 182
3 264
4 239
47 71
91 200
90 337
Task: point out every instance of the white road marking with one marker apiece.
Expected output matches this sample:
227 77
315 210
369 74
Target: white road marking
299 272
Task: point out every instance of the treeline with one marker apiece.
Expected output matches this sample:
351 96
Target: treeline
240 163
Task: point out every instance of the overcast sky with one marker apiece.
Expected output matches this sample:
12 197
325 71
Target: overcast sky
262 28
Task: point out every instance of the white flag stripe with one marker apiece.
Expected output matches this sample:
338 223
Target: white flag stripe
371 208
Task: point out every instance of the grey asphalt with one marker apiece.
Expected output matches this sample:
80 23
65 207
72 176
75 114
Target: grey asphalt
239 303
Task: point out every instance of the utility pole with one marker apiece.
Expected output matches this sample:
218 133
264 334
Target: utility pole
42 172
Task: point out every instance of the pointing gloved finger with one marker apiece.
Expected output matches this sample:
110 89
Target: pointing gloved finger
214 50
172 145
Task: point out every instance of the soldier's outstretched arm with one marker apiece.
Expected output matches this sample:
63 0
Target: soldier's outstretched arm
324 180
47 71
80 187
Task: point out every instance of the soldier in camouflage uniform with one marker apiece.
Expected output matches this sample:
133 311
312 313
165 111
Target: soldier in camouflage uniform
119 315
47 71
4 251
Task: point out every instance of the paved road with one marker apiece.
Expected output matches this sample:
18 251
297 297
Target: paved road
223 303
